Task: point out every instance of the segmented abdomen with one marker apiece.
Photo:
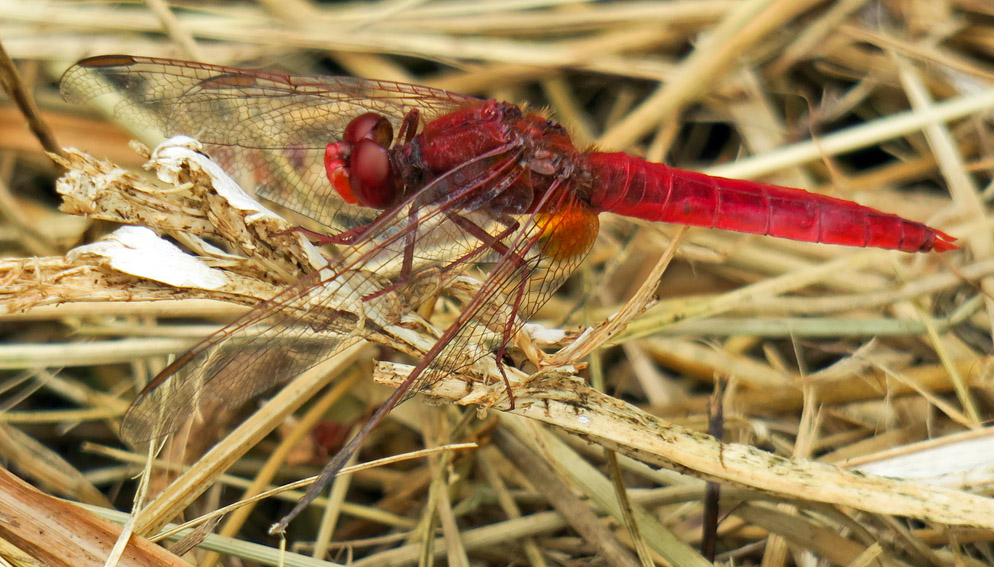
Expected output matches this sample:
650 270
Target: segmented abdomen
636 188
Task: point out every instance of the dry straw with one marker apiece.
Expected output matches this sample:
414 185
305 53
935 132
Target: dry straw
857 382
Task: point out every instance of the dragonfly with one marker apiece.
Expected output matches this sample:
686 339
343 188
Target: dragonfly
417 186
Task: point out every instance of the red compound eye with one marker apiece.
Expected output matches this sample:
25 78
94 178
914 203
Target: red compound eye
359 166
371 176
371 126
336 156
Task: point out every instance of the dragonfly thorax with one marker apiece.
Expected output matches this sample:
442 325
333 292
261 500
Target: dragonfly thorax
460 149
514 156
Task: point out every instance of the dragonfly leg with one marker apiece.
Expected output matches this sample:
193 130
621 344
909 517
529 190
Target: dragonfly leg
488 241
519 295
493 242
349 236
407 266
496 244
319 239
409 127
503 374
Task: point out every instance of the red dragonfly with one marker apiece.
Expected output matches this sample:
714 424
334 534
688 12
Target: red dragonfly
464 184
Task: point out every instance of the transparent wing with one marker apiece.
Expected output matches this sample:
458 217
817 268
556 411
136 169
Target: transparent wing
528 263
267 130
398 261
534 261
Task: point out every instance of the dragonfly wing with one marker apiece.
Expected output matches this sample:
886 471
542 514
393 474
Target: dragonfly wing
540 255
393 266
526 260
268 130
303 325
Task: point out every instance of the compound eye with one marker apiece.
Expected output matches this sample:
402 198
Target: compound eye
336 159
371 176
369 126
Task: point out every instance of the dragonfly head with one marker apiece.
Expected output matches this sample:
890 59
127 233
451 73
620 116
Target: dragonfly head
359 165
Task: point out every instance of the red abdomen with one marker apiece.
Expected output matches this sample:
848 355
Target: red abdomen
636 188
